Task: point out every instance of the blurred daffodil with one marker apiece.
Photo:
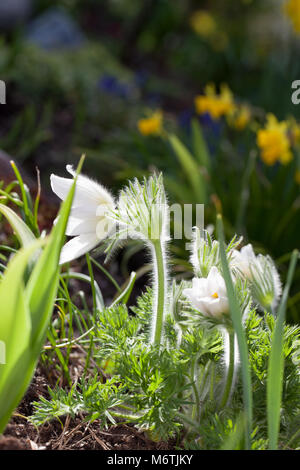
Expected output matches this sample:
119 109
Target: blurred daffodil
151 125
203 23
214 104
240 117
294 131
273 142
292 9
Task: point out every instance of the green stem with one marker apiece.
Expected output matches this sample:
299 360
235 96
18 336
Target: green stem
196 405
159 289
230 371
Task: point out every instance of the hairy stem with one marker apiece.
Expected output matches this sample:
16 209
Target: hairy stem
230 370
196 405
159 292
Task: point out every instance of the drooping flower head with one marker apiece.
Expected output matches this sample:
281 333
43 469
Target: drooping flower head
273 142
88 222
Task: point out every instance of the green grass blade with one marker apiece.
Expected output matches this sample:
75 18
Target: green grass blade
199 145
190 168
236 316
125 294
23 233
83 277
276 363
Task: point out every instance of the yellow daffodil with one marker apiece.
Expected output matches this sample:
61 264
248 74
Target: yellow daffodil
240 117
294 131
151 125
292 9
215 105
273 142
203 23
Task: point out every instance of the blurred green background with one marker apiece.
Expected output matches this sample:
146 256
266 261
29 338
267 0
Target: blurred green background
81 74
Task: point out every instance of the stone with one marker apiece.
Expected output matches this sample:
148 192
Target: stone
54 29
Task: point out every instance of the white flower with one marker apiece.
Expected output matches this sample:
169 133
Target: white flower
209 295
242 260
261 272
88 221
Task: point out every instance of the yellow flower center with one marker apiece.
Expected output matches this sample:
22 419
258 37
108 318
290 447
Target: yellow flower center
215 296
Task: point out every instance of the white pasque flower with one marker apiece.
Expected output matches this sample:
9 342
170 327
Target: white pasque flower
88 222
242 260
261 272
209 295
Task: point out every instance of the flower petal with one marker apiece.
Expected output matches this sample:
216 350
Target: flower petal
79 225
77 247
87 191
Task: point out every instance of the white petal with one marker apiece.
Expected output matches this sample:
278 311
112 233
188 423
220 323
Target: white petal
87 191
60 186
78 226
77 247
71 170
81 212
248 252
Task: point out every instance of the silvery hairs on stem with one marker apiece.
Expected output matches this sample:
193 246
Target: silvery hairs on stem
142 213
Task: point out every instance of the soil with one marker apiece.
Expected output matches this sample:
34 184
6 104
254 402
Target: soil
70 434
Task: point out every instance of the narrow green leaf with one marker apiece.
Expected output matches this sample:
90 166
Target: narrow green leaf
276 362
190 168
83 277
15 331
125 294
199 145
236 316
24 234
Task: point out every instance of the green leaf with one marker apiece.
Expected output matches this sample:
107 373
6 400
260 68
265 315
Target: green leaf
83 277
191 169
15 331
276 363
236 316
199 145
24 234
26 312
125 294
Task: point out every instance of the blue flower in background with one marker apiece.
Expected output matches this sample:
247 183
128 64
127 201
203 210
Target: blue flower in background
184 119
212 125
112 85
141 78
